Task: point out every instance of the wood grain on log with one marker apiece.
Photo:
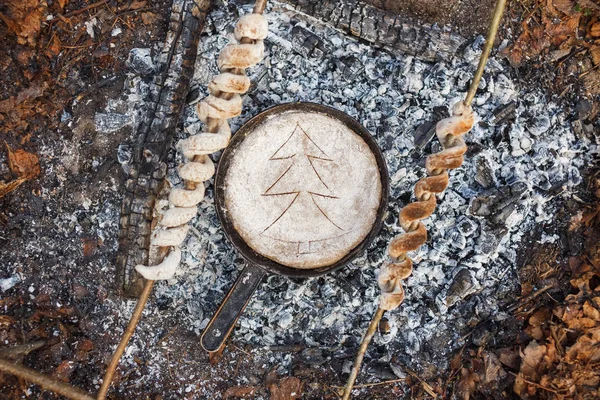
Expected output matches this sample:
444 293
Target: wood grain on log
154 137
382 28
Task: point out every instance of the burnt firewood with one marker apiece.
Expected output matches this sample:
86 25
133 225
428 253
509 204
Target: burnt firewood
154 137
382 28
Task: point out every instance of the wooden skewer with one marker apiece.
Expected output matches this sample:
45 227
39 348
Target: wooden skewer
133 322
361 352
493 29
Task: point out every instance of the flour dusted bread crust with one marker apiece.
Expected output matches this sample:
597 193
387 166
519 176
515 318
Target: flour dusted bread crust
302 189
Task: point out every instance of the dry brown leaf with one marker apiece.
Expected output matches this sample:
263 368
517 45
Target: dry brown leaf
137 5
288 388
509 357
581 324
149 18
25 165
240 392
540 316
595 29
585 350
493 368
591 83
532 357
6 188
565 6
25 19
64 370
466 385
591 312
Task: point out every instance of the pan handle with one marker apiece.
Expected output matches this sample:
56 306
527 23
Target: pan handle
221 325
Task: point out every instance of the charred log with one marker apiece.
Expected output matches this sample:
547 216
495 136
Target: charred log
154 137
382 28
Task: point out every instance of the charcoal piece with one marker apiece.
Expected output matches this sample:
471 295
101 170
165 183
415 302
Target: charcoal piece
381 370
466 226
463 284
423 134
505 113
350 67
315 356
583 108
124 154
503 214
539 124
484 174
369 30
457 239
482 335
542 181
492 201
110 122
140 61
490 237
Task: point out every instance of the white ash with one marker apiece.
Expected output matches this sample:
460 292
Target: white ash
9 283
110 122
391 96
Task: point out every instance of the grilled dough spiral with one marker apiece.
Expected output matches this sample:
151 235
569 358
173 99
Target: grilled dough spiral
399 266
223 102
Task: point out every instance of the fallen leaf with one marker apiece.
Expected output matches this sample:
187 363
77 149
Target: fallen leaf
493 369
64 370
509 357
6 188
25 165
137 5
149 18
286 389
591 312
24 18
239 392
565 6
466 385
531 359
586 350
595 29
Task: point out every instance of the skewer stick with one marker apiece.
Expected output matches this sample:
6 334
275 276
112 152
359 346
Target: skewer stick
361 352
135 318
493 29
487 48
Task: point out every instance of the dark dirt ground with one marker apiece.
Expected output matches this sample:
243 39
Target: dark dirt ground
43 70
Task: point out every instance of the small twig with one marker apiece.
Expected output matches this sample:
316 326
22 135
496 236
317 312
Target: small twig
162 339
135 317
242 350
537 384
589 70
426 386
21 350
361 352
364 385
46 382
487 48
84 9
